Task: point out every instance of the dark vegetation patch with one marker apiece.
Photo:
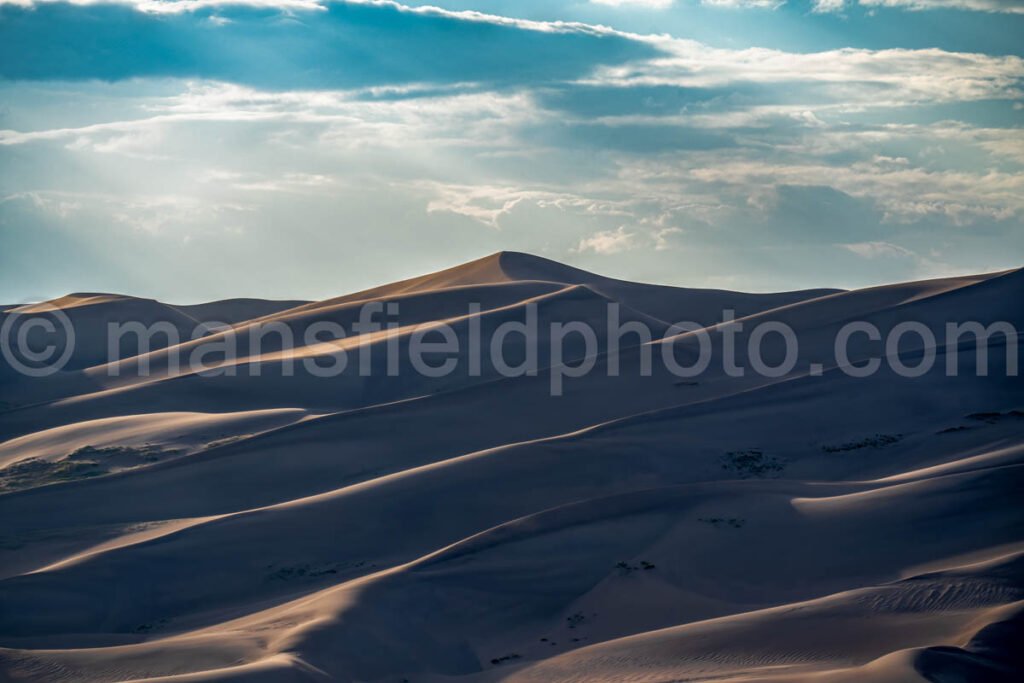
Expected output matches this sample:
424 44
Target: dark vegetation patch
504 658
990 418
952 430
625 568
150 626
752 463
84 463
577 619
994 417
11 543
301 572
122 456
734 522
876 441
223 442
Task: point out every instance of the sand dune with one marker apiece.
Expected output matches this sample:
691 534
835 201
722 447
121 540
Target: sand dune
175 525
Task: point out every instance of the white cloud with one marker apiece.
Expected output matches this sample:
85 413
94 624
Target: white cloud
850 75
608 242
905 194
647 4
664 238
1010 6
829 5
176 6
448 149
483 203
873 250
736 4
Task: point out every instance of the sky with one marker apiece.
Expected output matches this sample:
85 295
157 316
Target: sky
192 150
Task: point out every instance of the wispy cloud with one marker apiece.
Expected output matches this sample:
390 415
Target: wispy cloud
738 4
892 76
648 4
609 241
873 250
1011 6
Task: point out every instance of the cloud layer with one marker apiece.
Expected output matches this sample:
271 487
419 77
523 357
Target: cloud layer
331 137
1010 6
340 45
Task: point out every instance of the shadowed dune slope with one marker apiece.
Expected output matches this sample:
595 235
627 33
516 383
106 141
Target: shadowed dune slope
165 524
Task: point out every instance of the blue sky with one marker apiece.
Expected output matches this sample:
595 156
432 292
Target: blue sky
297 148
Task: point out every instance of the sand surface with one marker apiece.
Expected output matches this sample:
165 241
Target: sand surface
174 525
